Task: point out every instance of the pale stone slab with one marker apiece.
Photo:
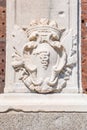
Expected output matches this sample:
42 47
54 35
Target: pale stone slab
20 13
43 103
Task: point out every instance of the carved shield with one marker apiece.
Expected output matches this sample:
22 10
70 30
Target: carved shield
43 59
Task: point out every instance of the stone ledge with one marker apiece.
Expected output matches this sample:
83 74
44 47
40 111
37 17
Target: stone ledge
43 103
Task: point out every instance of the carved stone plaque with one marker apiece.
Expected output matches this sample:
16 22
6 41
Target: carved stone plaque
42 47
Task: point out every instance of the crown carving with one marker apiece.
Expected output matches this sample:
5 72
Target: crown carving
43 25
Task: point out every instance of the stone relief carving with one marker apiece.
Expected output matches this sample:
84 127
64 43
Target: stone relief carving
44 64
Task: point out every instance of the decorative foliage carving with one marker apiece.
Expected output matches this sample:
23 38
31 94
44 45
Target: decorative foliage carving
44 64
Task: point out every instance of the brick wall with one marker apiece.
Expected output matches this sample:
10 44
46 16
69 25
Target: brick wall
3 37
2 43
84 44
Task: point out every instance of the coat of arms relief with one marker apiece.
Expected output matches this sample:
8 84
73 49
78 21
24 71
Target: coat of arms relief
44 64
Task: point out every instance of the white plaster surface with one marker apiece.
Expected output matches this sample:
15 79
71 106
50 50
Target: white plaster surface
43 103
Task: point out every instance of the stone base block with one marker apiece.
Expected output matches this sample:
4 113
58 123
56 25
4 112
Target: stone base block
43 121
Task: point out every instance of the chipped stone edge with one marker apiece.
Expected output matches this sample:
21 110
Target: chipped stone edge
43 103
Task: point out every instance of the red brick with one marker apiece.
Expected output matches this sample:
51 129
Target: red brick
3 3
2 66
84 44
2 22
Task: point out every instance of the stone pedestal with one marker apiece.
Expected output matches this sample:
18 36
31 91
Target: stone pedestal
45 112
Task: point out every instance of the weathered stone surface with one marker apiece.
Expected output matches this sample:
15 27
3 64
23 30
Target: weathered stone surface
43 121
